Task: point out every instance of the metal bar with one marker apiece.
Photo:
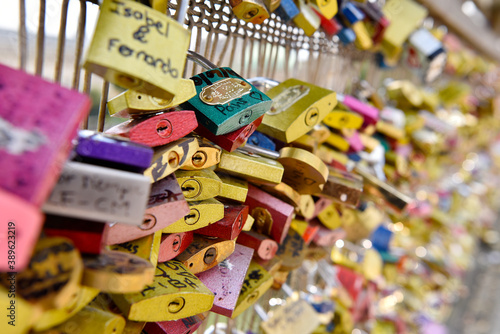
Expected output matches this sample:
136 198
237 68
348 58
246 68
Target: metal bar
23 48
61 39
40 39
80 36
102 107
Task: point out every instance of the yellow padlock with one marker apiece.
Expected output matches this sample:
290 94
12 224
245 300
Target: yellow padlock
284 192
253 11
307 19
201 214
198 185
338 141
330 217
20 314
327 8
176 293
128 48
206 156
343 119
297 107
146 247
233 188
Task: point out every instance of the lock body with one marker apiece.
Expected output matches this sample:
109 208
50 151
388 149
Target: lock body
127 50
182 326
99 193
157 130
201 214
206 156
37 135
225 101
297 107
233 188
146 248
229 227
253 11
198 185
264 247
173 244
287 10
227 277
205 253
291 251
295 317
174 294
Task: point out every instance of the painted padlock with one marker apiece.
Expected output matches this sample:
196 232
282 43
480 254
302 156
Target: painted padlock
205 253
99 193
225 101
35 136
226 278
253 11
229 227
297 107
175 293
128 48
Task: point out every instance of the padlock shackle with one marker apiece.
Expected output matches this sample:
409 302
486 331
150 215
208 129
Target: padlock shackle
263 84
259 151
200 60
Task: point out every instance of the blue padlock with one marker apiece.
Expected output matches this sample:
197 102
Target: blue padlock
287 10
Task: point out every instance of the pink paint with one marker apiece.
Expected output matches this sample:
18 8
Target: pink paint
369 113
46 114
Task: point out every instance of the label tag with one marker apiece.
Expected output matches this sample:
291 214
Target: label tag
224 91
287 98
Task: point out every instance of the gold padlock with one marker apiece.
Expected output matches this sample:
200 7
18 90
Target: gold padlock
291 251
327 8
128 48
176 293
206 156
233 188
253 11
297 107
146 247
307 19
205 253
117 272
251 167
133 103
343 119
198 185
201 214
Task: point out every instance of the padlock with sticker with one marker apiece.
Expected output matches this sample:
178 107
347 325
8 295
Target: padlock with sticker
127 48
225 102
297 107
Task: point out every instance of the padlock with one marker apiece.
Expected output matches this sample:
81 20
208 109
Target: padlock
251 167
233 188
175 294
330 217
225 101
86 235
306 142
346 35
22 223
127 48
52 277
363 38
370 114
296 316
287 10
173 244
343 187
257 281
327 8
304 171
198 185
168 158
306 206
297 107
91 320
352 13
381 22
330 26
392 197
201 214
157 130
272 216
430 51
229 227
291 251
232 140
332 157
248 224
147 247
264 247
104 150
205 253
405 16
99 193
226 278
320 204
259 139
132 103
338 141
182 326
253 11
36 137
206 156
305 230
54 317
283 192
341 119
390 130
117 272
307 19
166 205
20 314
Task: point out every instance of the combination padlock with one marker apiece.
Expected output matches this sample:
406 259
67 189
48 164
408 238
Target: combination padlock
225 101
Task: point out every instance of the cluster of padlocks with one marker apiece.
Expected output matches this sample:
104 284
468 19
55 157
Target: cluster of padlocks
216 188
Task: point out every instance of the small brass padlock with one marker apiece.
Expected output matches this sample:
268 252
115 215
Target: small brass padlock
206 156
199 185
